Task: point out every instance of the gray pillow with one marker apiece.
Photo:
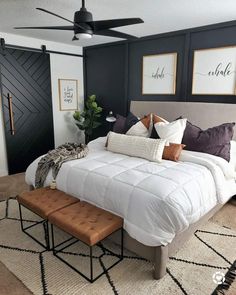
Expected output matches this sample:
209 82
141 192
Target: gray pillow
214 141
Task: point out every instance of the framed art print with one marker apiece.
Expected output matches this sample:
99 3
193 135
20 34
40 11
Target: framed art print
159 73
214 71
68 94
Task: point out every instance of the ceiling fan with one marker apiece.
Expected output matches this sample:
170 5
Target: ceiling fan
84 27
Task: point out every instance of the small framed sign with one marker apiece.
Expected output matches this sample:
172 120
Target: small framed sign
159 73
68 94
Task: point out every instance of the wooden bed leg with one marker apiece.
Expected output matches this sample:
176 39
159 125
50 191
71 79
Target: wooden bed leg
161 258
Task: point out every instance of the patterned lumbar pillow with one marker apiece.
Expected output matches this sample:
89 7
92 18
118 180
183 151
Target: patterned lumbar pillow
172 132
141 128
136 146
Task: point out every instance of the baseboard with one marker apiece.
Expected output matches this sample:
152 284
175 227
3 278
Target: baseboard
3 173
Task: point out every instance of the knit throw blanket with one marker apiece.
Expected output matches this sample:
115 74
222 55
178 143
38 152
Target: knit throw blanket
55 158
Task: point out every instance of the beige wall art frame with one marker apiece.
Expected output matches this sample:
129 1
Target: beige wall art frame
68 94
214 71
159 74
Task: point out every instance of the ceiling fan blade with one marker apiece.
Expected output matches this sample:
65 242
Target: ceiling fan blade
52 13
113 23
112 33
66 28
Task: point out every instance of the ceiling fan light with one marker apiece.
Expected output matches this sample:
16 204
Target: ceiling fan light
82 36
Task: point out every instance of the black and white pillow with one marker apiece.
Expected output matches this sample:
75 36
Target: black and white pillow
132 125
141 128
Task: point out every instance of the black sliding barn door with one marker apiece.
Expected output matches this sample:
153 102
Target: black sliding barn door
27 106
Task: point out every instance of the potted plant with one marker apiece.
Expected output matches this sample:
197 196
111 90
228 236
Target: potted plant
87 120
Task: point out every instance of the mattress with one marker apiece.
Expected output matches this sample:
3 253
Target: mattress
156 200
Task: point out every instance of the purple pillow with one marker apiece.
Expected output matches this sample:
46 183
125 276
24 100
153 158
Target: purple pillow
131 120
214 141
123 124
119 125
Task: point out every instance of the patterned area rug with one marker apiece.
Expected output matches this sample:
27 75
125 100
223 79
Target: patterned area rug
206 260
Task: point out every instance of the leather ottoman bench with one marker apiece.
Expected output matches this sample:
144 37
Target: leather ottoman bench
43 202
89 224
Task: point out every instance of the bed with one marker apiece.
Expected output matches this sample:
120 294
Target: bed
158 219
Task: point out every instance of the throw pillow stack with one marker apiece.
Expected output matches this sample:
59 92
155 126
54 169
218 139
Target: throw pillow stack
177 135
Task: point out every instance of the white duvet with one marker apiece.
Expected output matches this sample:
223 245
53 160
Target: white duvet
156 200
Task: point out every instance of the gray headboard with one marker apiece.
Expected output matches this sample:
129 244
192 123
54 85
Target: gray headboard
204 115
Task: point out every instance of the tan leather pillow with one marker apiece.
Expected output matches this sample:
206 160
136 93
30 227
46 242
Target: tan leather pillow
157 119
173 151
146 120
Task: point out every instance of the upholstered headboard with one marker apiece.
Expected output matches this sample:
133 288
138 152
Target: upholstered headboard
204 115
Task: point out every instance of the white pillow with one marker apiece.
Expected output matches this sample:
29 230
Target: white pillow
136 146
233 154
173 131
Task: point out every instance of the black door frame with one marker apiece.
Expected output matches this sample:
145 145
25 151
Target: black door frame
43 49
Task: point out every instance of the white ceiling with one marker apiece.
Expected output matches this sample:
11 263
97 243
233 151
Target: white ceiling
159 16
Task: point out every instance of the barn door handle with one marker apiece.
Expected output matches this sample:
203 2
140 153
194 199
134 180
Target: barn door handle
11 115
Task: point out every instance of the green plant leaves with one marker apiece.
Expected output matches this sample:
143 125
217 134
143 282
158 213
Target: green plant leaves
77 115
92 97
87 119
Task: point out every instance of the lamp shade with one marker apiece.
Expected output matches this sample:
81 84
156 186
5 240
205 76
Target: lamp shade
110 117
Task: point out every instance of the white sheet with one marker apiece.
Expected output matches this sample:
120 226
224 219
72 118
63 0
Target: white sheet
156 200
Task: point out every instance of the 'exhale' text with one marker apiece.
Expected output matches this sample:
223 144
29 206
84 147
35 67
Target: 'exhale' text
221 71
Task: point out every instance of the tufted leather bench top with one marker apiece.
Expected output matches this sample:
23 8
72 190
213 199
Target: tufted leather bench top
86 222
45 201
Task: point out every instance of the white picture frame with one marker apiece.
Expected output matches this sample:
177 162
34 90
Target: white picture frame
68 94
159 74
214 71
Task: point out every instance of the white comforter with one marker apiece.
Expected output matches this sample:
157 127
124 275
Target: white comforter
156 200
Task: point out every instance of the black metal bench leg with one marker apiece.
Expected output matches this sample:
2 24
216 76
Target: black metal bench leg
45 226
52 236
122 244
91 264
91 278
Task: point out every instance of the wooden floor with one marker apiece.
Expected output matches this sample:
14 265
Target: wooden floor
12 185
9 283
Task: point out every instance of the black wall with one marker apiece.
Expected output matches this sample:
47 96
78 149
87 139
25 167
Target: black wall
113 71
147 47
105 75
